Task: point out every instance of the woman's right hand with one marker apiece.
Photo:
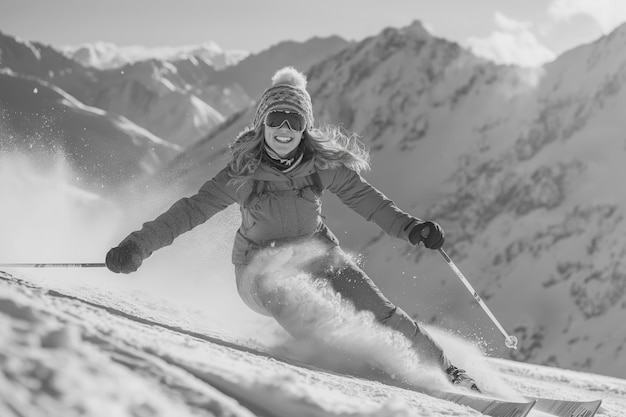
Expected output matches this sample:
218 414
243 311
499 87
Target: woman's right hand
125 258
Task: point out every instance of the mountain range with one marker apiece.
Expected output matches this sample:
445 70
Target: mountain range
178 99
105 55
41 119
521 167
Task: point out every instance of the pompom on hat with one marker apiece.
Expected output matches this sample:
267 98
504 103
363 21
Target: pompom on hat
288 92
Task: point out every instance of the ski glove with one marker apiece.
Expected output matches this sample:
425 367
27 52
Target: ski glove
125 258
434 237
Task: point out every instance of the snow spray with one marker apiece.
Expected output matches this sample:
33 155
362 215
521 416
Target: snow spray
329 332
47 216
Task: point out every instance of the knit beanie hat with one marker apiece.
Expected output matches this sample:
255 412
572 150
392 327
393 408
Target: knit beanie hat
288 92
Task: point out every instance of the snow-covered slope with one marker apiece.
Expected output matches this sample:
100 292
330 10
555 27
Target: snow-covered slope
99 349
152 93
522 167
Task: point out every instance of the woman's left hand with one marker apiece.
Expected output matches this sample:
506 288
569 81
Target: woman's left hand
428 232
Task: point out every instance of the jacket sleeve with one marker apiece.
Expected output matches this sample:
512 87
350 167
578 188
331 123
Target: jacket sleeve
185 214
363 198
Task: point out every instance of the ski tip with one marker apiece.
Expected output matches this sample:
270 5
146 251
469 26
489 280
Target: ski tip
564 408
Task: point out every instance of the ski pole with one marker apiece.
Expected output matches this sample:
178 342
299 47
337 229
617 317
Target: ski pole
54 265
509 341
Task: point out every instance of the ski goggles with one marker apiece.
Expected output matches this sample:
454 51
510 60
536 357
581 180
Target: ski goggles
295 121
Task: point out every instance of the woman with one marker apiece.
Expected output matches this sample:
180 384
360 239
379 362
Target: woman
278 169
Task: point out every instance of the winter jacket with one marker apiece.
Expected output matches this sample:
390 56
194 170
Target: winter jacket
275 207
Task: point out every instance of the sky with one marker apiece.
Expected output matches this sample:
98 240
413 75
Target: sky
528 32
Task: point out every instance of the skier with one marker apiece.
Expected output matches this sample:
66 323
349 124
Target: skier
278 168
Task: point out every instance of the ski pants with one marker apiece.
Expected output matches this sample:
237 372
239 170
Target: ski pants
353 284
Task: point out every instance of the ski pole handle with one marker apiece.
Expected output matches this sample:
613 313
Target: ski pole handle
53 265
509 341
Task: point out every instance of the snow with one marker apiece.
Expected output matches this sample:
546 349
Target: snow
64 356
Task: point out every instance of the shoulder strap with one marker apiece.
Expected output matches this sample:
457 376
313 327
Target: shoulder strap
316 183
259 187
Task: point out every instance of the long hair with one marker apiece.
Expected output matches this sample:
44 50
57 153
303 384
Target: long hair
246 152
334 146
331 145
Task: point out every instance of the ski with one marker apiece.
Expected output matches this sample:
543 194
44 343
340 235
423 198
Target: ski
498 408
564 408
488 406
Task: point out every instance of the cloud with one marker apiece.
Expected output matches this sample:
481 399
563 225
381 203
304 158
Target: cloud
507 24
513 42
607 13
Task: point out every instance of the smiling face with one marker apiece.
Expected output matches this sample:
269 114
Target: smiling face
282 140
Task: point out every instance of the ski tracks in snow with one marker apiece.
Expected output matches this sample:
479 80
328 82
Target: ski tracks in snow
64 355
100 361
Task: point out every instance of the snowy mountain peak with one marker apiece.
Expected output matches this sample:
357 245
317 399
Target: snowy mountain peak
103 55
387 82
20 47
411 36
619 32
418 29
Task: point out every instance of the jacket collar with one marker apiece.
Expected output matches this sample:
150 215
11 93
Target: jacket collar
266 172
